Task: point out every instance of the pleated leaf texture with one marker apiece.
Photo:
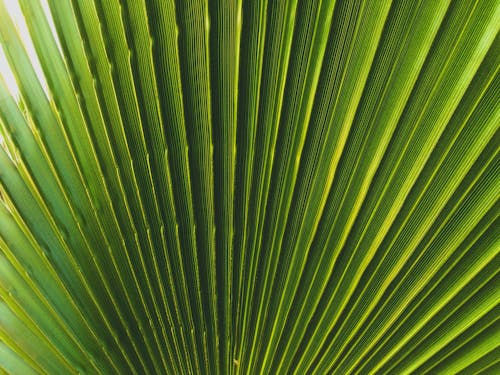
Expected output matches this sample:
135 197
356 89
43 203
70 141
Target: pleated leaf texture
250 187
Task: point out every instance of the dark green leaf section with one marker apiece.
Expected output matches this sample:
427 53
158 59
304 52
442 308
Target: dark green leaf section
250 187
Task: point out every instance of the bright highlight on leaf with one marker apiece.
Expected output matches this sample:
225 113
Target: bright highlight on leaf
249 187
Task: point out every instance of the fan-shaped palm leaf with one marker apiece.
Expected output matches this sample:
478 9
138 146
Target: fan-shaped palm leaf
249 186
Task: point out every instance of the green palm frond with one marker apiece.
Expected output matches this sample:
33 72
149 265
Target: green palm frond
249 187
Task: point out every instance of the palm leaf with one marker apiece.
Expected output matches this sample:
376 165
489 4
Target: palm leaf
300 186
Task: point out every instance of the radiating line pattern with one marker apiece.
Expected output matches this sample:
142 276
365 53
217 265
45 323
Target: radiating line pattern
250 187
